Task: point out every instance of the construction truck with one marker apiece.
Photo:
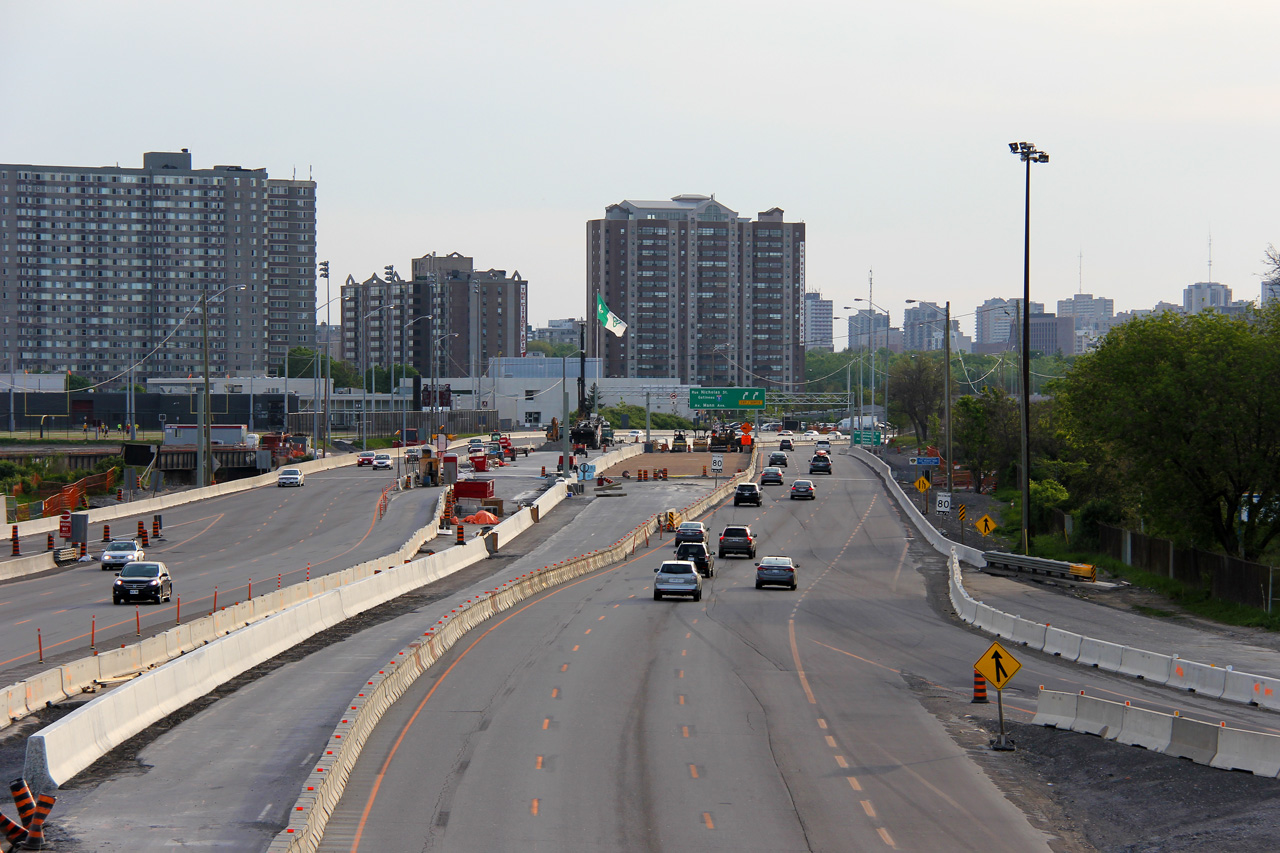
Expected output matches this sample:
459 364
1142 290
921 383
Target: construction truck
586 433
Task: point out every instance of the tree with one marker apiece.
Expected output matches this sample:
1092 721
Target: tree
76 382
1190 404
551 350
916 389
986 433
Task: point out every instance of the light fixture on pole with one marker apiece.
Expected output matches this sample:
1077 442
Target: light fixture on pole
1028 154
328 358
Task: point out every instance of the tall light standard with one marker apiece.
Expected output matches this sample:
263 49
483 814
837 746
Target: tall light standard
205 449
1028 153
328 357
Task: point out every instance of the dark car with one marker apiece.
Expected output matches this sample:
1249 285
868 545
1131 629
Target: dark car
738 539
785 444
803 489
820 464
700 555
778 458
776 571
142 580
748 493
691 531
771 476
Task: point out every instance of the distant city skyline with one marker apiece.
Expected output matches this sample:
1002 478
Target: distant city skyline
1158 143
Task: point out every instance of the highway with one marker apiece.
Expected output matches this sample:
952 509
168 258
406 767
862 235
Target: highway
595 718
265 536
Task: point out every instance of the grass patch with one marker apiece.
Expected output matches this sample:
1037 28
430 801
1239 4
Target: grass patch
1153 611
1191 599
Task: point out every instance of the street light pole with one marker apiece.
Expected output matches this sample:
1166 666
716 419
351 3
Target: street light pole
1028 153
946 378
206 444
328 358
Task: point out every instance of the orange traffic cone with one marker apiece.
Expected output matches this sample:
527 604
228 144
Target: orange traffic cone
979 689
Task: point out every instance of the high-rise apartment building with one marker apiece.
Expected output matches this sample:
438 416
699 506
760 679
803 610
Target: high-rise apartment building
996 327
373 315
104 269
1270 291
479 314
818 331
709 297
869 329
1205 294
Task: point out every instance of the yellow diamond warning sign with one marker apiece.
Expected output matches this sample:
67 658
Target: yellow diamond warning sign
997 666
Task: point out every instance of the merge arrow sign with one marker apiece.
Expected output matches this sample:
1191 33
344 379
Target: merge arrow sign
997 666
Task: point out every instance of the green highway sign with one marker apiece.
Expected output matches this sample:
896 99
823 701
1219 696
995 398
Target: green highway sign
726 398
866 436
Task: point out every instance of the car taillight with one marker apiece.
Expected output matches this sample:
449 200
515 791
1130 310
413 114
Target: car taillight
721 537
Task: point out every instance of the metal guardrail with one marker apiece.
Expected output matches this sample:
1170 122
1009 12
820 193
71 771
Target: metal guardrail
1041 566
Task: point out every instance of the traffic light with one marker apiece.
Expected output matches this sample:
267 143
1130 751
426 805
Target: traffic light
324 269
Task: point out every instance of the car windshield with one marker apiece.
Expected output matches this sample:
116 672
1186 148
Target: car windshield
382 456
676 569
290 472
141 570
366 454
122 546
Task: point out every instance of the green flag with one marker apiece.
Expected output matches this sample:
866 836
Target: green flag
608 319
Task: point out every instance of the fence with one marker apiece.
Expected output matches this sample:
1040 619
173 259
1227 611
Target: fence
68 498
1226 578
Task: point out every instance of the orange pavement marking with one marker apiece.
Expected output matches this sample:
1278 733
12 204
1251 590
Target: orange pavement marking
533 807
868 808
575 648
546 724
822 724
555 691
564 668
681 698
693 770
706 818
831 742
684 730
588 631
538 764
844 765
853 783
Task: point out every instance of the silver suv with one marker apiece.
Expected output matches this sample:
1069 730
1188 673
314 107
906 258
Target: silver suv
677 577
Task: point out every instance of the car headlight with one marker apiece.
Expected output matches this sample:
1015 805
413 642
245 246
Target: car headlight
118 582
154 582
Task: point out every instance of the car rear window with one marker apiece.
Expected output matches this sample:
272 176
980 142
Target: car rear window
736 531
676 568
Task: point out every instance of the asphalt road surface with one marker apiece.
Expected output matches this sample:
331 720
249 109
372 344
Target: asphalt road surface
595 718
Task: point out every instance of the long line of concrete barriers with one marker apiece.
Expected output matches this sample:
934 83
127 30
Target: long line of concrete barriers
171 669
326 782
1216 682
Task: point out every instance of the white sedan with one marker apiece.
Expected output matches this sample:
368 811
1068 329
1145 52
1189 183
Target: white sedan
290 477
636 434
382 460
811 434
785 433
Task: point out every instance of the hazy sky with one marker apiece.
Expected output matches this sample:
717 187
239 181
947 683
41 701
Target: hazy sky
497 129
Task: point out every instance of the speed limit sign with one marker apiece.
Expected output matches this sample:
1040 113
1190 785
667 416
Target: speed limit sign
717 463
943 502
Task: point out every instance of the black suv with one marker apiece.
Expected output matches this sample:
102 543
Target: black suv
748 493
738 539
698 554
820 464
778 459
